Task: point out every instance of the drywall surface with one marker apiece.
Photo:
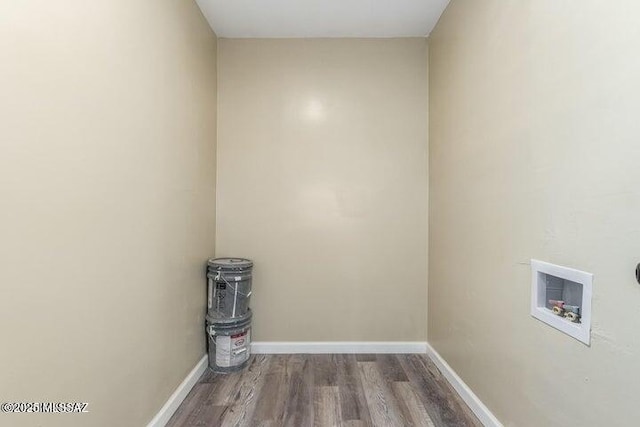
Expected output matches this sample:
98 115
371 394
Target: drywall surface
322 181
107 180
534 149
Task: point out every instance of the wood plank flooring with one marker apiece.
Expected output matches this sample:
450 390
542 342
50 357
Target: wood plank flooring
347 390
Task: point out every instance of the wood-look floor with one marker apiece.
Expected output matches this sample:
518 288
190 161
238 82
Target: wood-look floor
326 390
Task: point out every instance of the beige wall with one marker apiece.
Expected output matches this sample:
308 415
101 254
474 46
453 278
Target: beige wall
534 145
322 180
107 174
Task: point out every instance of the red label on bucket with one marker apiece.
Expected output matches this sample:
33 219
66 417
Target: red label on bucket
232 350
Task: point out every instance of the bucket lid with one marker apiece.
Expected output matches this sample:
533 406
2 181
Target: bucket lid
229 321
229 263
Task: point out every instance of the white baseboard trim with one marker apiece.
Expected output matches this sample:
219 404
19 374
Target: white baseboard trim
304 347
164 415
475 404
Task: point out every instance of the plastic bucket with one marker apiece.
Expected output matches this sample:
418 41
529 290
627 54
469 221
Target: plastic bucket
229 344
229 287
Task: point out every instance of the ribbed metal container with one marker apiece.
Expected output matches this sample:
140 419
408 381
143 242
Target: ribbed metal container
229 283
229 343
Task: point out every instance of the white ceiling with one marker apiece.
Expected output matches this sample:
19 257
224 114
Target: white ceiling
322 18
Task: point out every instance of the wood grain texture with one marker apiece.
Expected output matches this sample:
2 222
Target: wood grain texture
326 390
411 406
444 406
326 404
383 407
246 395
298 409
352 398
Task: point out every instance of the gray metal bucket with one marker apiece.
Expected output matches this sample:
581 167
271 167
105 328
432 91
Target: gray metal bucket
229 344
228 287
